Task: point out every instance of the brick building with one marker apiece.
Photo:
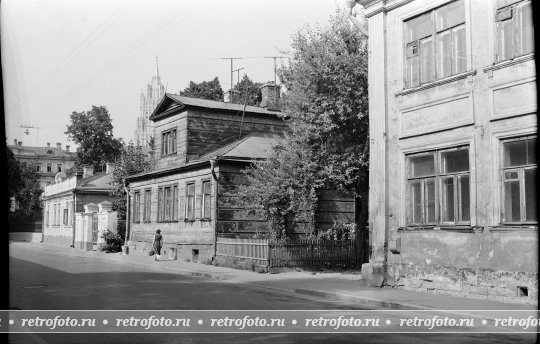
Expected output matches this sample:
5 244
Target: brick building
452 92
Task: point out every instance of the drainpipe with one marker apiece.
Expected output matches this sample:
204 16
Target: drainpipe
128 220
350 4
215 176
73 229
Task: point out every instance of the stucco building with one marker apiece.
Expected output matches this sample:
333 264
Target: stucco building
452 92
47 160
67 196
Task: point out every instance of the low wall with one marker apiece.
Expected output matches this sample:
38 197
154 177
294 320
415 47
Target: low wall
26 236
497 265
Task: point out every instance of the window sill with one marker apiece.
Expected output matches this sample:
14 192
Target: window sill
509 63
189 220
168 155
446 228
168 221
436 83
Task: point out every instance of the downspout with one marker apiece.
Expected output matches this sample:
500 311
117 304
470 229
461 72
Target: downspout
215 176
128 220
73 229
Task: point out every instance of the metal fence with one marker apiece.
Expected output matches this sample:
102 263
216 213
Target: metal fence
296 253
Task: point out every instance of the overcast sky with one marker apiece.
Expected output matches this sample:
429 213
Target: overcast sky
60 56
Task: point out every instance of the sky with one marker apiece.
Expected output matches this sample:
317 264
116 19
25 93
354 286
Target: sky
60 56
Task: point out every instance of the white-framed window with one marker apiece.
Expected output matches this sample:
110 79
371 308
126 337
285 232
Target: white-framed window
190 201
59 168
66 216
206 199
168 203
38 167
515 31
147 205
168 142
49 167
438 190
518 177
435 44
136 206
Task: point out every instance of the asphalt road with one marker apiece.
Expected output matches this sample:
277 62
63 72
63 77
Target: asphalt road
45 280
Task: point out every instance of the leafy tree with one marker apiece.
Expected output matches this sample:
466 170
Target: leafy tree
92 131
28 196
253 89
132 161
13 175
326 107
205 90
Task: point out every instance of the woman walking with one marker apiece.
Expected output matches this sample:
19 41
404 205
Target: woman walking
157 244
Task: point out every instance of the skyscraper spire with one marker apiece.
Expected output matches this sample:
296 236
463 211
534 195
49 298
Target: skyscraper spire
157 67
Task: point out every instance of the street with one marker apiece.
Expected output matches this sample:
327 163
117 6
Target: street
52 280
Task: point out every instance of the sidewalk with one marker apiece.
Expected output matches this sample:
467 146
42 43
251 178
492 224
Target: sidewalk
329 286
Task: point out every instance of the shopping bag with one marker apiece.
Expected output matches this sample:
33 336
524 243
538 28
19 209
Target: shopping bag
151 253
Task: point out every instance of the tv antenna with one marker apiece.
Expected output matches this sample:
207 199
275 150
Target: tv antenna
238 74
27 132
232 68
275 66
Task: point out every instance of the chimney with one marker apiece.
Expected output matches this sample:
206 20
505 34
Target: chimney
67 148
59 145
232 96
88 171
48 144
15 142
19 143
109 167
270 96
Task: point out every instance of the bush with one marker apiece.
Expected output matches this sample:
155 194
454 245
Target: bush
113 242
339 232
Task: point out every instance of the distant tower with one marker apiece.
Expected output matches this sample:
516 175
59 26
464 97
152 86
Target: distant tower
148 102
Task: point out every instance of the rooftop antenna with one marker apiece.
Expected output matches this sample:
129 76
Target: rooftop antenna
238 76
27 132
275 68
232 68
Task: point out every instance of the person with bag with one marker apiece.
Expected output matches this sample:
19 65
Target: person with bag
157 244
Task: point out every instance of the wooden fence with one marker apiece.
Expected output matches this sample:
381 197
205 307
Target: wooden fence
297 253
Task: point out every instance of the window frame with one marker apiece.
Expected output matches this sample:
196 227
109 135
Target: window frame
438 177
434 35
169 142
514 6
190 200
206 196
167 204
147 206
49 167
520 170
137 206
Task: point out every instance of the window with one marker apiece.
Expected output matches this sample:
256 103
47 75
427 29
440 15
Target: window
147 205
190 201
49 167
168 203
66 216
515 33
519 180
206 197
168 142
136 206
435 44
59 168
38 167
438 187
47 216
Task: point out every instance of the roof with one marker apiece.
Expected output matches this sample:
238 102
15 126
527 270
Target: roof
162 109
41 151
251 147
101 181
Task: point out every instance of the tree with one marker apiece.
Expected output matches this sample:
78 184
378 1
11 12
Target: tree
253 89
13 175
132 161
92 131
326 107
28 197
205 90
